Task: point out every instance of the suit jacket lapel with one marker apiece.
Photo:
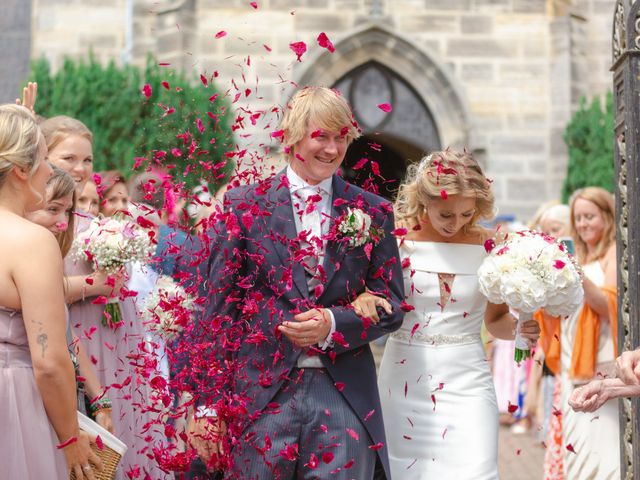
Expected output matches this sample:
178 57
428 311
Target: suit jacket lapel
335 251
282 229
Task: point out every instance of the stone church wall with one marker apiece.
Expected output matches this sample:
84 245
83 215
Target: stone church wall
517 67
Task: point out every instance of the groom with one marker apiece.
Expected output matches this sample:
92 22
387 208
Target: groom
294 385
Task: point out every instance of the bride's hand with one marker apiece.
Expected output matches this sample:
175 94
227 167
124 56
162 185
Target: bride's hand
366 306
530 331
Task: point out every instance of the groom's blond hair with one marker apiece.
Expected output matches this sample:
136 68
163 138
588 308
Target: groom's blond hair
325 107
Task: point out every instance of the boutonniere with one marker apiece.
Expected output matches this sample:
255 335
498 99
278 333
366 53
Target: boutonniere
354 228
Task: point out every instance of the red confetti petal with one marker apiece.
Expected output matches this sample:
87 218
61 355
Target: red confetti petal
254 5
327 457
147 90
221 34
559 264
443 194
299 48
385 107
324 42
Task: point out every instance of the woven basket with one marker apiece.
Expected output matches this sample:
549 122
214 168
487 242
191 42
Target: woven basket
110 455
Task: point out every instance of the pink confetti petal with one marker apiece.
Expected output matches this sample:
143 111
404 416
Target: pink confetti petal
385 107
221 34
147 90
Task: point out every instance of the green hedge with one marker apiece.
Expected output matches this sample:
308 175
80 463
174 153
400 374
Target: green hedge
590 138
126 124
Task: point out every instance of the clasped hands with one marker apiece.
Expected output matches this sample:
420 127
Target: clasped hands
308 328
590 397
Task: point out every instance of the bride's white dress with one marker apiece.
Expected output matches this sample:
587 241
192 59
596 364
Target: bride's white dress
438 399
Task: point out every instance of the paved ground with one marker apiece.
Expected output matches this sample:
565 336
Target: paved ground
520 457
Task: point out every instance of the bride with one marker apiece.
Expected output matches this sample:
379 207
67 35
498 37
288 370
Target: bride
438 400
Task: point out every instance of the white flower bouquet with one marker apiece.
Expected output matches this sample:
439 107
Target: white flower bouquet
168 308
529 271
111 243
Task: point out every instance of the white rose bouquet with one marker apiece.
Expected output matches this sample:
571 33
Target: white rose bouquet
529 271
168 309
111 243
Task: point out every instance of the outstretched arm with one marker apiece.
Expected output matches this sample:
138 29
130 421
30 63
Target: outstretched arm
596 393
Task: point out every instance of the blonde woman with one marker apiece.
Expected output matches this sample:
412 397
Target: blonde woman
438 400
594 438
37 385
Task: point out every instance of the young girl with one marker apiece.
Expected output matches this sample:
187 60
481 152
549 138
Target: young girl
57 217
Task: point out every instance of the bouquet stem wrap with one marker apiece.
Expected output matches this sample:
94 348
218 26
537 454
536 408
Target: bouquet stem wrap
112 317
522 351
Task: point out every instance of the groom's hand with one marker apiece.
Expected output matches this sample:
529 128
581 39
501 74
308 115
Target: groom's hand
206 434
309 328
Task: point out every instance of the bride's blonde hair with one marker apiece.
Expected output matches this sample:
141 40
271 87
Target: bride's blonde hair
439 175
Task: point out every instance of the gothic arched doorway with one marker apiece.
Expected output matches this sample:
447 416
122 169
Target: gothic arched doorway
390 139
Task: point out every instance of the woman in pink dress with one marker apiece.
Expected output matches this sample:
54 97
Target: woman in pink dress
39 437
114 351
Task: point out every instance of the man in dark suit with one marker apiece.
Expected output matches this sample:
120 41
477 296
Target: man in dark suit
294 381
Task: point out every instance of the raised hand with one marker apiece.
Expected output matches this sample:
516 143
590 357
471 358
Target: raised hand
29 95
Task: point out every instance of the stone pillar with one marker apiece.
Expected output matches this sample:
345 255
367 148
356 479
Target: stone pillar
626 84
15 38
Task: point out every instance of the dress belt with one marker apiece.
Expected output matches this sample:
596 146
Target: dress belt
436 339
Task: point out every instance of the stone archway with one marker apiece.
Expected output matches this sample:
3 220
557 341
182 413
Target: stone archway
373 66
435 88
391 139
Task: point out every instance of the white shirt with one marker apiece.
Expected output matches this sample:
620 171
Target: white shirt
324 208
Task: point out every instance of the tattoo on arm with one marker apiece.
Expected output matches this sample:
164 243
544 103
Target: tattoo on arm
42 341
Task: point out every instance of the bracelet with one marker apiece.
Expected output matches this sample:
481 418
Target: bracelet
99 404
67 443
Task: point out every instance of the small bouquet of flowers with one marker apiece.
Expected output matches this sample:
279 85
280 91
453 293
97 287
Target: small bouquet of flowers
168 308
111 243
529 271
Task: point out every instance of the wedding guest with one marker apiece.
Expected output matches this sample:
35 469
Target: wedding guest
553 221
438 400
56 215
113 192
89 200
588 340
110 349
149 188
37 384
